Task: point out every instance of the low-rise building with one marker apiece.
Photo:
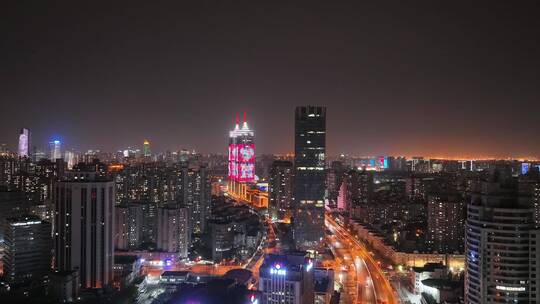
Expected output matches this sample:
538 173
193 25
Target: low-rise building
174 277
64 286
241 276
428 271
126 269
442 291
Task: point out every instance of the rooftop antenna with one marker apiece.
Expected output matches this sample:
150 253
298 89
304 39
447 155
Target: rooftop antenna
245 126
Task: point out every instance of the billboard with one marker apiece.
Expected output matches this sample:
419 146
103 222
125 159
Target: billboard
246 153
242 162
246 172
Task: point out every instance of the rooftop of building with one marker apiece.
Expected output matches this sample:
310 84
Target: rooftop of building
241 276
86 176
125 259
322 285
214 291
63 273
293 260
175 273
443 284
24 219
323 279
429 267
282 163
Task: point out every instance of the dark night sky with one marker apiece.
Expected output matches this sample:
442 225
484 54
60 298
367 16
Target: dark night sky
461 79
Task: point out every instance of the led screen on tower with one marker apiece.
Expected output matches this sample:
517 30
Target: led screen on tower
245 160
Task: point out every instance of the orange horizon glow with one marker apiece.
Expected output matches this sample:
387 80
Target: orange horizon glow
458 157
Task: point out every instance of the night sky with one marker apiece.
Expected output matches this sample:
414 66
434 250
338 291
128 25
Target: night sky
428 79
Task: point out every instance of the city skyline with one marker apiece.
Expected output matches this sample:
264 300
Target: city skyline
241 152
146 143
179 147
449 80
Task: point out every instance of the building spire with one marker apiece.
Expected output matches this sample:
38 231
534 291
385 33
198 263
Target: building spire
236 125
245 126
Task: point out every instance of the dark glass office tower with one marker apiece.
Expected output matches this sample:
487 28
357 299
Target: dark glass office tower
310 175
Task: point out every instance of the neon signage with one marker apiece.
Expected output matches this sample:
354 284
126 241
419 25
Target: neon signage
277 270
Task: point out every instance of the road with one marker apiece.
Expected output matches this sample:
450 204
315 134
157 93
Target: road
270 245
367 283
351 272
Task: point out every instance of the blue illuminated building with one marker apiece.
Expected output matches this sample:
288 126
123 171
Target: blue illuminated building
287 278
55 149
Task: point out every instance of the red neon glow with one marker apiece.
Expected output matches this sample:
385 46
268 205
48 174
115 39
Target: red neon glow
246 153
241 153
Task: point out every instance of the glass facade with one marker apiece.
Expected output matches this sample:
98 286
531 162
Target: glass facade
310 174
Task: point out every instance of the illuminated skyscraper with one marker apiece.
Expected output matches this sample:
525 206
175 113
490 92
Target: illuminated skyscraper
24 143
309 175
241 157
242 153
55 148
83 227
146 148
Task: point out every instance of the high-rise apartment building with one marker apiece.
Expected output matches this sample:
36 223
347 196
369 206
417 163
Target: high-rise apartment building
530 186
309 174
27 248
172 230
202 196
83 229
195 193
152 184
357 193
334 180
149 221
280 189
445 221
287 279
222 236
502 245
24 143
184 237
129 226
